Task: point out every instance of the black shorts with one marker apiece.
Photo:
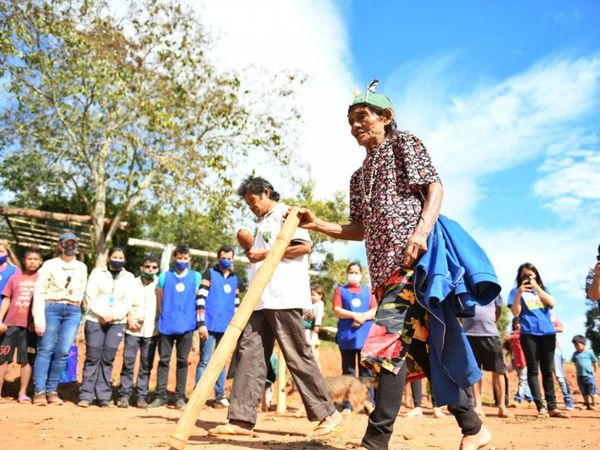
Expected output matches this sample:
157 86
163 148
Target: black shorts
488 353
21 340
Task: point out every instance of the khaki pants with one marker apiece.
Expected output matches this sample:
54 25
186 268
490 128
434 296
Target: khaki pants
255 349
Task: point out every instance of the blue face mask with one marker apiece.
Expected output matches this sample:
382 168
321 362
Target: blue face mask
225 263
182 265
115 265
3 258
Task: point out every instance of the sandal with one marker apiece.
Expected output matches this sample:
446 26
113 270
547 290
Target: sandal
328 424
558 413
543 414
24 399
230 429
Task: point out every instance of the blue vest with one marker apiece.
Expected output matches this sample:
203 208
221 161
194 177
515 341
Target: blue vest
5 275
220 301
349 338
178 312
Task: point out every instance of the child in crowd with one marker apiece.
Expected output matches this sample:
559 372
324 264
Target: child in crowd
313 318
16 322
585 363
518 362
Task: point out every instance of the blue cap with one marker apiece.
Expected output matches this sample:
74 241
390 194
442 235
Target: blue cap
67 237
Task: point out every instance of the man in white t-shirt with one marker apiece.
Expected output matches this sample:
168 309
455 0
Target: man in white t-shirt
277 315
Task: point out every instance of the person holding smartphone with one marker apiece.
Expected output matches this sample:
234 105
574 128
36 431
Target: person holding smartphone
531 303
592 283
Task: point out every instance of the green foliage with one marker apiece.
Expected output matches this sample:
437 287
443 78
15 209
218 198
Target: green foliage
123 112
332 210
592 325
504 322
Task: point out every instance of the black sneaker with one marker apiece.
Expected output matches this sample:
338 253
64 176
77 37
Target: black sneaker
157 403
180 404
141 403
106 404
123 402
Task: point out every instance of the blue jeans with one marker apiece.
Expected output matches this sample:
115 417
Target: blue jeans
62 322
559 374
523 391
206 349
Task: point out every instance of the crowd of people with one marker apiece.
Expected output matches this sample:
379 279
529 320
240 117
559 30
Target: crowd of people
45 304
425 272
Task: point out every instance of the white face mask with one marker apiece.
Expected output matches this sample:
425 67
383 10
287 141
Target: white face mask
354 278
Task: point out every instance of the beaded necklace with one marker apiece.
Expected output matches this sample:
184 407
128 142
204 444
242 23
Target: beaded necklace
367 187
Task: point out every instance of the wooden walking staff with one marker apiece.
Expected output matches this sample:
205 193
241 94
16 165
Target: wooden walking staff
281 382
224 350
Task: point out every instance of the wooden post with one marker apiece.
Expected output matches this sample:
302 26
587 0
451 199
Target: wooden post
281 382
224 350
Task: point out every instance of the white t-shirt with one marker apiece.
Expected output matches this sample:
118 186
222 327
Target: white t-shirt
289 287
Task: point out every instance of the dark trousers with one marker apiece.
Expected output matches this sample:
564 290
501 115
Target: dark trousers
539 353
255 349
183 345
416 388
100 350
147 349
350 358
389 399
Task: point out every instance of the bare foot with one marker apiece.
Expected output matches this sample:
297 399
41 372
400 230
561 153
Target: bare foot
476 441
503 413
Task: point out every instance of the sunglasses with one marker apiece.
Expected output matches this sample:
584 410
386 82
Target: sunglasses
150 267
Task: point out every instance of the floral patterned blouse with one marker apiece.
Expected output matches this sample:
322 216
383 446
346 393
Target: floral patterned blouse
386 195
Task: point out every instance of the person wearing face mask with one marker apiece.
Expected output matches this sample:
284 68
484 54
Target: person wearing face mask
218 299
109 299
179 316
140 334
57 298
355 307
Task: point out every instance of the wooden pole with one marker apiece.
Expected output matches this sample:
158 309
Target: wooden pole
281 382
224 350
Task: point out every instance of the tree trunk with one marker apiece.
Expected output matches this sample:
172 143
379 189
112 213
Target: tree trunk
98 216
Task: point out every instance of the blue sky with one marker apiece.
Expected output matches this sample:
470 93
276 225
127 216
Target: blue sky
505 95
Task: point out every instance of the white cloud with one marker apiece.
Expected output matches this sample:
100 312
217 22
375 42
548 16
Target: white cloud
571 184
309 37
472 132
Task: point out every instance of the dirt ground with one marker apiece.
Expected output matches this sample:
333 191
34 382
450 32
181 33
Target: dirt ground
71 427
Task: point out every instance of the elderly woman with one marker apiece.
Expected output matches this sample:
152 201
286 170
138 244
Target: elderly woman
395 200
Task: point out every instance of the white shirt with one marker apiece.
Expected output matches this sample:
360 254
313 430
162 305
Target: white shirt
106 295
58 280
289 287
144 307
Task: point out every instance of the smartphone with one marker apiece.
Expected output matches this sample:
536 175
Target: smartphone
598 255
525 281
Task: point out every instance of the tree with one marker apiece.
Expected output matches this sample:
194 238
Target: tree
119 112
332 210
